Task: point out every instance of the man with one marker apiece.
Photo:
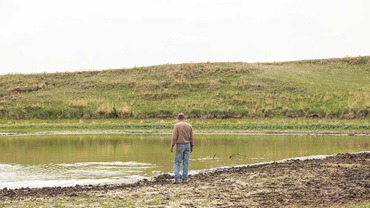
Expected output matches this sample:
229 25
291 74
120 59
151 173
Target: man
183 137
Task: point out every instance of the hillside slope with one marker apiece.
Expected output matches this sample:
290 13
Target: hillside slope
331 88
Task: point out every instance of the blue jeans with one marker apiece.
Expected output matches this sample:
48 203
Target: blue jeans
182 155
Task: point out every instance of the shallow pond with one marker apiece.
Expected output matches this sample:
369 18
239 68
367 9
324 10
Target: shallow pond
67 160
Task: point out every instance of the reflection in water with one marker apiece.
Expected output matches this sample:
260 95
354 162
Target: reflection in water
36 161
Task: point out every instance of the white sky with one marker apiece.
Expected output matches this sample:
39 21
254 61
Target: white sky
74 35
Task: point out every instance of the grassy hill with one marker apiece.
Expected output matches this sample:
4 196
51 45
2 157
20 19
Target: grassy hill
330 88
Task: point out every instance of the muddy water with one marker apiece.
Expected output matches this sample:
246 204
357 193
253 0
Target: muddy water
40 161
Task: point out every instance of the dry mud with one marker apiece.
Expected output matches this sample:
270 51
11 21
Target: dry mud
338 180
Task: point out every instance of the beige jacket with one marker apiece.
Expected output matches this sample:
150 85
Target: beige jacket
182 134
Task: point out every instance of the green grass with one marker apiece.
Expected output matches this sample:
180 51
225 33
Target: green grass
330 88
267 125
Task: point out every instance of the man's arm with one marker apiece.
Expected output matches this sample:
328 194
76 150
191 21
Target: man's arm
174 138
191 140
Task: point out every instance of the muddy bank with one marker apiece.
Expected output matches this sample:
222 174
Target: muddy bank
247 132
338 180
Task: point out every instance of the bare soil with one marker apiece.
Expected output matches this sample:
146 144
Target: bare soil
339 180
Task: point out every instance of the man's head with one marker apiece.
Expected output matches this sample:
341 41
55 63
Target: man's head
181 116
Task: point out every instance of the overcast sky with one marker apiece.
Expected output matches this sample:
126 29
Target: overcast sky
74 35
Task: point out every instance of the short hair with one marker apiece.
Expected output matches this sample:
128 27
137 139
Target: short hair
181 116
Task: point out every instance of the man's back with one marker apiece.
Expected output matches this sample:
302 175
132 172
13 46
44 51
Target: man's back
182 133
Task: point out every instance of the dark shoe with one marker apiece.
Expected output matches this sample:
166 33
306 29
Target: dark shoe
176 182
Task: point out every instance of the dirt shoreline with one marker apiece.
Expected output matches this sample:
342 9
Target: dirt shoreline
339 180
267 132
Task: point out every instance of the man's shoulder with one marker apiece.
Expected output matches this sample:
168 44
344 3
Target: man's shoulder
183 123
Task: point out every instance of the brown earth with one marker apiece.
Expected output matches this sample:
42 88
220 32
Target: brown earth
340 180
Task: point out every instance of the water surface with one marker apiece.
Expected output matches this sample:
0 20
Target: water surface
67 160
